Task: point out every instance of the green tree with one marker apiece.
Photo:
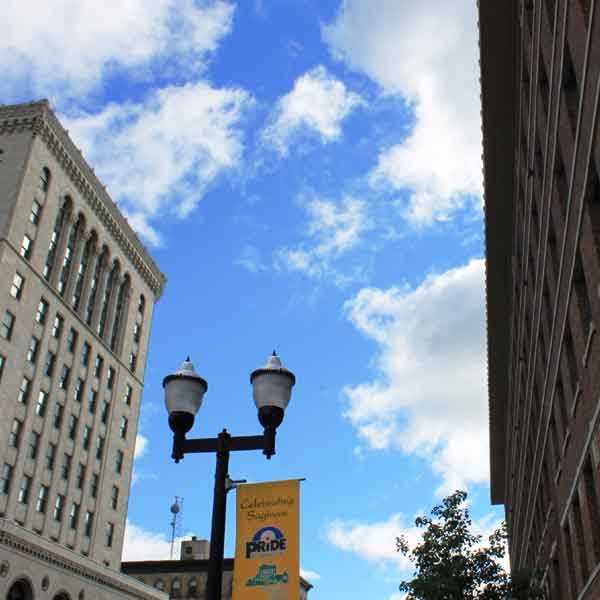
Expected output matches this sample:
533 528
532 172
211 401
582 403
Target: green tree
452 563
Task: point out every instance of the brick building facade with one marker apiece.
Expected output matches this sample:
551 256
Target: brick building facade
540 76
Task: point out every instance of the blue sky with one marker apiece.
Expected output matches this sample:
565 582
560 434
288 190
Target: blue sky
308 176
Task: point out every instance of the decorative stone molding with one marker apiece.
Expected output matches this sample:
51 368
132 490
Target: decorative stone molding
24 542
40 120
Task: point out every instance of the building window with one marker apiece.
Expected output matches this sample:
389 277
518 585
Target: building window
99 447
36 212
65 375
78 391
26 247
85 354
94 485
110 283
132 361
72 340
73 422
110 532
16 288
128 394
57 326
32 449
68 258
58 507
45 179
105 411
23 496
92 396
50 456
58 415
2 363
88 524
49 364
193 587
24 390
6 325
32 353
85 440
81 271
119 462
15 433
74 515
40 407
141 305
6 478
42 311
98 366
42 499
94 284
65 469
176 588
123 427
137 329
114 497
110 378
119 312
80 477
55 237
159 584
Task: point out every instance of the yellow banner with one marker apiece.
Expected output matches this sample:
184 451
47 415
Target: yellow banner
267 551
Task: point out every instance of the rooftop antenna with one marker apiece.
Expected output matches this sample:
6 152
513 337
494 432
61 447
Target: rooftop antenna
175 510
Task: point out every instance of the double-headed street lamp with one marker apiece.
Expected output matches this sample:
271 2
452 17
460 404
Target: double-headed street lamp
184 392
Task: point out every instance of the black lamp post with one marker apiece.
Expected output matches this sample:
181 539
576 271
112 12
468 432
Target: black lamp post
184 392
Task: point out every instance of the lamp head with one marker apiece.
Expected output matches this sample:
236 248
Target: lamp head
272 390
184 392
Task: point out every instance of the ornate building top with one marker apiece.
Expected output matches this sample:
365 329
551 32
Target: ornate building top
40 119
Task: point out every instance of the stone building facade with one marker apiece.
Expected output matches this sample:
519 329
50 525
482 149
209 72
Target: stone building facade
77 290
540 77
185 578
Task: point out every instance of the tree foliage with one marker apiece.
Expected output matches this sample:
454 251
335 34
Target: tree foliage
452 563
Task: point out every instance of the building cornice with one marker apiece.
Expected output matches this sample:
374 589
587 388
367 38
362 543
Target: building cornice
498 55
22 541
40 120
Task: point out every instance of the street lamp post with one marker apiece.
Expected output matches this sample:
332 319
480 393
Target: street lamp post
184 392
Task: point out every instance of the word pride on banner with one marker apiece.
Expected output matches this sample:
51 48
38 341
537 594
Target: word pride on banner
267 554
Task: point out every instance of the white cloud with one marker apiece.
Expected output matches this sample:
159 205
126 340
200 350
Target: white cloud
333 230
141 544
67 47
310 576
374 542
250 259
141 446
159 156
427 53
317 102
429 394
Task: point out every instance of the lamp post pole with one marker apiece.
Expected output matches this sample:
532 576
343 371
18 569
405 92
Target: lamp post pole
184 391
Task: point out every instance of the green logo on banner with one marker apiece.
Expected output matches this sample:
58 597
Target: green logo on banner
267 575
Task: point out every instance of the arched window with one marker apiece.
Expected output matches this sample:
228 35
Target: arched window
159 584
142 304
112 279
45 179
74 235
84 262
94 284
62 596
119 313
193 587
59 224
175 588
20 590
